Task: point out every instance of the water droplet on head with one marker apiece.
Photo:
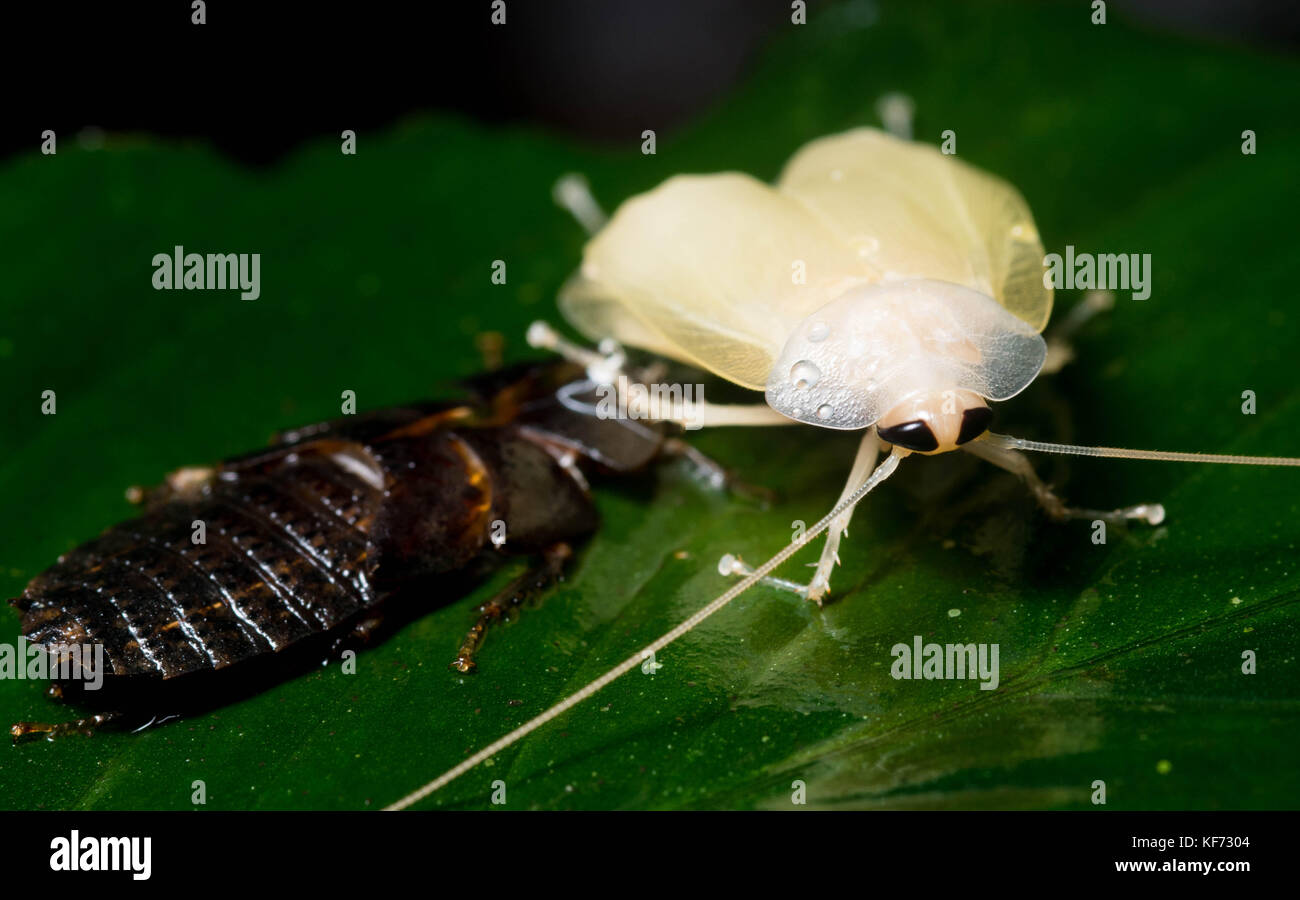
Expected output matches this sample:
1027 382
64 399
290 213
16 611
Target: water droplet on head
804 374
819 331
825 411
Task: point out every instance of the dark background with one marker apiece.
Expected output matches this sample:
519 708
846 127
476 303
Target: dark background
259 79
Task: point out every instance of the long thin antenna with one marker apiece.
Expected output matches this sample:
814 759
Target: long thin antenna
883 471
1007 442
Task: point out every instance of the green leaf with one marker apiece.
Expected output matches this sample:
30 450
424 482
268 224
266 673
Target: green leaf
1119 662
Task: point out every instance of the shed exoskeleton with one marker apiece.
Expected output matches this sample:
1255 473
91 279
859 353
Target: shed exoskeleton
313 534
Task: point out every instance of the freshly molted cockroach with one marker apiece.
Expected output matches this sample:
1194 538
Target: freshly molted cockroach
878 286
244 560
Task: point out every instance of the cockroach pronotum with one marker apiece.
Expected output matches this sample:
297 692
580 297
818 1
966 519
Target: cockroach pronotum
879 286
311 535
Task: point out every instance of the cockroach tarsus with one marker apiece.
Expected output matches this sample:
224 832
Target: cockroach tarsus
312 536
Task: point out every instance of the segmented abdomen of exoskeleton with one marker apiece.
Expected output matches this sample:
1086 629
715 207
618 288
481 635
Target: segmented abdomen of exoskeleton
259 558
269 548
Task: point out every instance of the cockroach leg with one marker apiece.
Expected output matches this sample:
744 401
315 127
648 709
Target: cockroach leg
189 481
863 463
896 111
708 469
359 635
573 193
1060 350
714 474
820 585
603 365
25 731
730 564
545 573
365 629
184 483
1018 464
703 414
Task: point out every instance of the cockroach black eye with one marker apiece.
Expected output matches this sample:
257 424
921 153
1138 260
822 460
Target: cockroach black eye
974 422
915 435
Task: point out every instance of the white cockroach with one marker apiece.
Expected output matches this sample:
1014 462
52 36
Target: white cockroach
879 286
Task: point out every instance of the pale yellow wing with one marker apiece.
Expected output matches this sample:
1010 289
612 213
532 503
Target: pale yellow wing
712 270
912 212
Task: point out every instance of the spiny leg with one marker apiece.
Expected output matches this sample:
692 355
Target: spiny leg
24 731
1018 464
863 464
1060 351
546 572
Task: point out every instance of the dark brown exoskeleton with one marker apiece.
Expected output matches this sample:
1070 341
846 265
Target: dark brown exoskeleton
259 553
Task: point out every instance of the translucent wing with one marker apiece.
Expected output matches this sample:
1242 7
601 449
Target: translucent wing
713 270
720 270
913 212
